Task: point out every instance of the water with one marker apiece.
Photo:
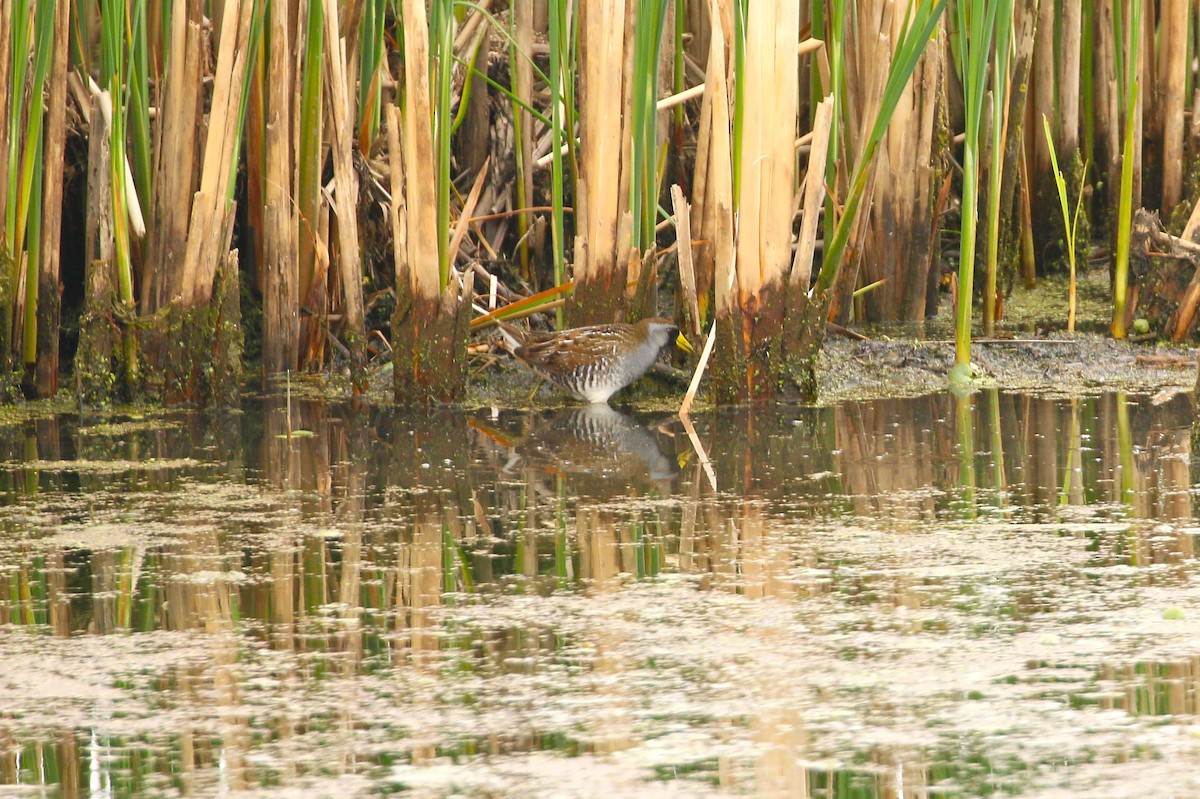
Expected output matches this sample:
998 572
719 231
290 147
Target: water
910 598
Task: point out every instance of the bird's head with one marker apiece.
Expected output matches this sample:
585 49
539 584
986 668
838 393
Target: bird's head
664 332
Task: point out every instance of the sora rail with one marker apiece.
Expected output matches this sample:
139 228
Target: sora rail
593 363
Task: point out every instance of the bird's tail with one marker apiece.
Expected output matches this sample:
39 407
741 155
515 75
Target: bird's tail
514 337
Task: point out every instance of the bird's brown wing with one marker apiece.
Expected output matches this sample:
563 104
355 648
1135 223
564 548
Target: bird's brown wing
560 351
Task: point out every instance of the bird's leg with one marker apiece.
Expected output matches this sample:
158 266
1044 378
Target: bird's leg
541 382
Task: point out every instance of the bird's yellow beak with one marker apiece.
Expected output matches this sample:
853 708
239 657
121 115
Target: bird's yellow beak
683 344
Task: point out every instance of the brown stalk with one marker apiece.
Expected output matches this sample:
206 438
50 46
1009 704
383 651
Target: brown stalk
687 269
1041 91
5 101
1069 39
55 154
814 198
1108 103
468 208
175 158
523 120
1145 71
896 238
351 23
603 157
1175 52
280 274
205 240
97 334
398 215
719 197
420 177
254 153
340 112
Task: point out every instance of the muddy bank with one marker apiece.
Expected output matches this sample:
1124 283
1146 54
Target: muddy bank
1031 353
1052 366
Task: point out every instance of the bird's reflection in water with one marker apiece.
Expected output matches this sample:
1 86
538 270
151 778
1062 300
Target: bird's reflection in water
596 441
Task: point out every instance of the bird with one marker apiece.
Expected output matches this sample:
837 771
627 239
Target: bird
594 362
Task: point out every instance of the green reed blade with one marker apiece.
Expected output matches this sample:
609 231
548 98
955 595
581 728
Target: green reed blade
1000 95
1125 203
559 72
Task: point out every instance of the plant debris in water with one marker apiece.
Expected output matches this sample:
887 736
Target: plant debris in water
458 606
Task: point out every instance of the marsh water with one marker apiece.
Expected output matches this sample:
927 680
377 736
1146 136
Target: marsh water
940 596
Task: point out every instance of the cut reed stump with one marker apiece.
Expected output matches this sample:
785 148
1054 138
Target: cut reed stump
769 350
1165 273
429 342
205 343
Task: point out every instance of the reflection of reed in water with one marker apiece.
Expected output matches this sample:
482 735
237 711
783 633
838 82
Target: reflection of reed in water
891 452
1154 688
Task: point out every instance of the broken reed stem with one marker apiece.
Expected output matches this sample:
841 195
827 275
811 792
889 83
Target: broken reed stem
698 374
522 80
687 269
398 212
179 117
468 208
209 205
814 197
340 114
420 176
701 453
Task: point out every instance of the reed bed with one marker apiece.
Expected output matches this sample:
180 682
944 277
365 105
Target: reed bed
309 185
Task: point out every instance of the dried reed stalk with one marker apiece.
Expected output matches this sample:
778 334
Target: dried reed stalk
1041 91
602 189
814 197
1108 102
208 228
468 209
1041 102
97 337
281 278
420 173
750 320
5 101
176 133
1175 51
687 268
1145 73
1069 41
48 310
870 45
522 68
430 323
768 142
718 183
341 119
